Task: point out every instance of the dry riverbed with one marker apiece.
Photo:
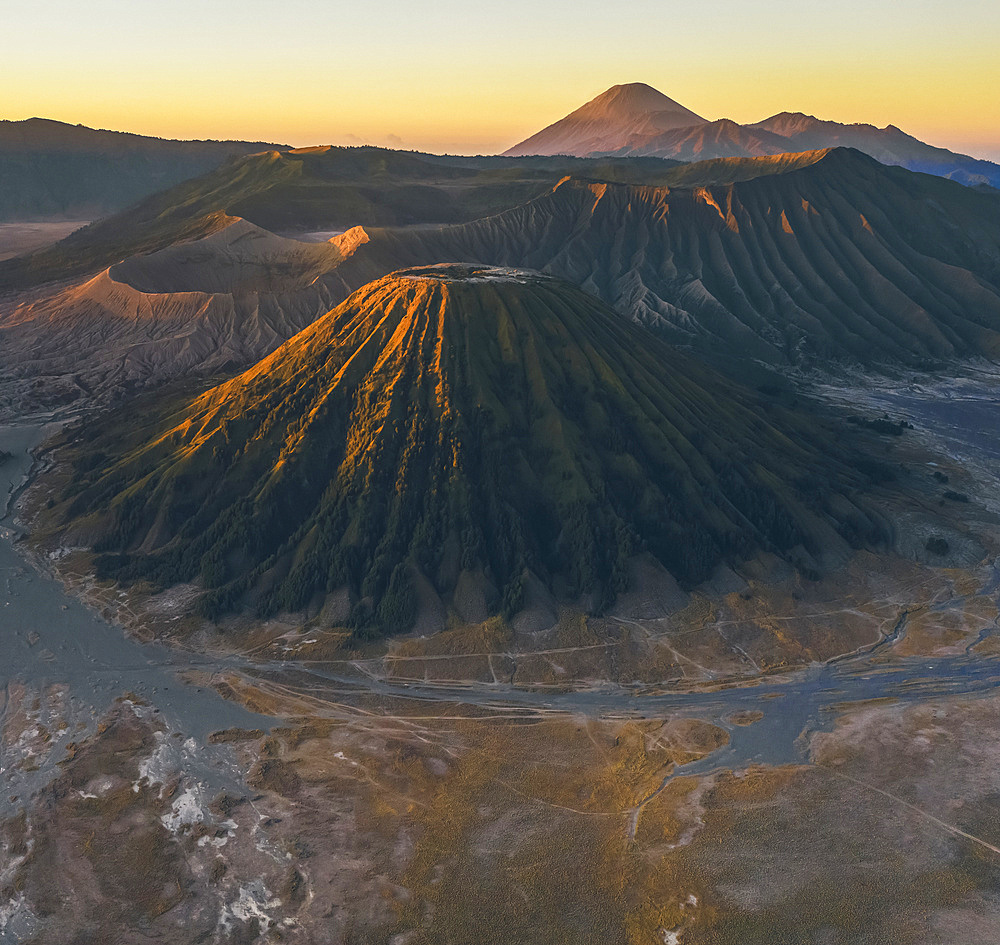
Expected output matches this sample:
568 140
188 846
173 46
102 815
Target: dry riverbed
696 777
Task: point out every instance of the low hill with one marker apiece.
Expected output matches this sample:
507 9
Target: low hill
50 170
723 138
449 440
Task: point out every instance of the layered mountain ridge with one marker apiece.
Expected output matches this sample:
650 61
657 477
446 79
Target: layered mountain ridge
599 128
50 170
813 259
803 259
449 440
322 188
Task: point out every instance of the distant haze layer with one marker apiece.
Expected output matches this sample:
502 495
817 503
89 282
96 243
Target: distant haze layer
467 78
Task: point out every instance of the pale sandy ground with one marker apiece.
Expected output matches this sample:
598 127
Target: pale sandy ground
315 236
18 238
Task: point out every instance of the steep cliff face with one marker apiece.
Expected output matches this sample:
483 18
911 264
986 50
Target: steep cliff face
451 433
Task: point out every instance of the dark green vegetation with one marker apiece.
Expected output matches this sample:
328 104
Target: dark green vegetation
452 428
936 545
316 189
799 259
51 170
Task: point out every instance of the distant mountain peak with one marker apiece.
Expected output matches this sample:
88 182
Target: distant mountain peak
635 99
636 119
608 122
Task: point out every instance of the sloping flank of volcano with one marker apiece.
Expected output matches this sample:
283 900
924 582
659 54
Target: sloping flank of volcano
803 259
458 431
608 122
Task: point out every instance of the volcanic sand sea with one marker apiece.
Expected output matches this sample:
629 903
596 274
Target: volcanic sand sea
99 663
50 645
50 638
18 238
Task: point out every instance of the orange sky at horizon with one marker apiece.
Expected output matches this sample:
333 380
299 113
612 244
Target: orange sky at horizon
453 78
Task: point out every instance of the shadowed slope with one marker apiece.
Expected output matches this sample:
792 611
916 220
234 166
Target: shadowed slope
205 307
459 430
890 145
52 170
797 258
805 259
323 188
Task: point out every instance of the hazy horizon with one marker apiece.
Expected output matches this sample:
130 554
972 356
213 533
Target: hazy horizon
462 80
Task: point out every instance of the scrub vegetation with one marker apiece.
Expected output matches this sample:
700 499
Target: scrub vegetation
461 429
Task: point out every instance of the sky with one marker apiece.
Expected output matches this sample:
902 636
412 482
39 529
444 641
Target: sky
467 77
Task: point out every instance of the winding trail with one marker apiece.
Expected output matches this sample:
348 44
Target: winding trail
98 662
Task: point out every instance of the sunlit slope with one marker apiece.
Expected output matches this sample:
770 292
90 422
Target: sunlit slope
204 307
618 115
454 433
809 259
829 255
715 139
637 120
321 188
